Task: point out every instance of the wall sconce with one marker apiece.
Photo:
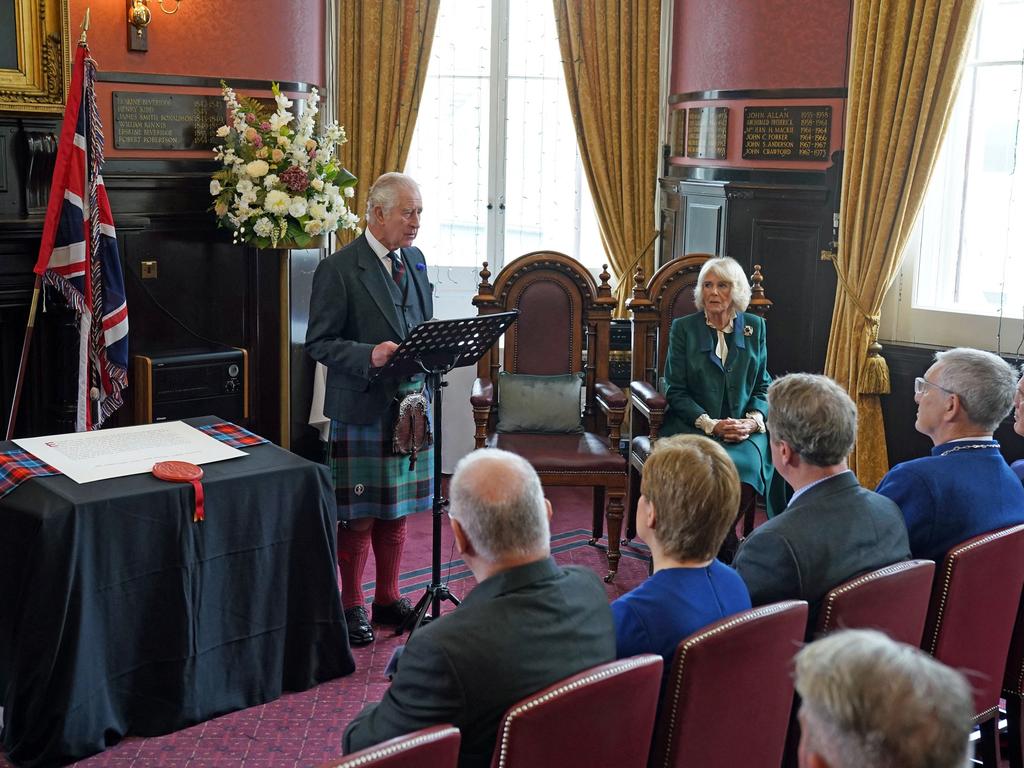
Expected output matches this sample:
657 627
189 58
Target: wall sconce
139 16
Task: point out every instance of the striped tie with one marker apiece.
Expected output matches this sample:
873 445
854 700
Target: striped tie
397 267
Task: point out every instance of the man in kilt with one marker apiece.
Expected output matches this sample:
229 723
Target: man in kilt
366 299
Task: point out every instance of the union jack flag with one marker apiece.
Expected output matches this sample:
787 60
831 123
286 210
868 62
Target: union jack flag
78 252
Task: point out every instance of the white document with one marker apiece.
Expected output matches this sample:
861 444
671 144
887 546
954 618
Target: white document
106 453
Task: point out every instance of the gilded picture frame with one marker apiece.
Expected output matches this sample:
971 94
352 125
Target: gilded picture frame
39 79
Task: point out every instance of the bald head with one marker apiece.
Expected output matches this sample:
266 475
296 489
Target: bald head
497 499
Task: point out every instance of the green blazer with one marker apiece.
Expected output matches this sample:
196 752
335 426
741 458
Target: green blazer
696 382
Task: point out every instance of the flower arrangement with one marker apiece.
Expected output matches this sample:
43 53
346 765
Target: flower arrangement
279 181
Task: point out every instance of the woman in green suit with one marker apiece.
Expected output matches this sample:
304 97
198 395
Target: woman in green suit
716 376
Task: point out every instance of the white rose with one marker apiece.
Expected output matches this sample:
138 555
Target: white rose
223 131
349 192
257 168
215 188
297 207
277 202
270 181
313 227
317 210
263 227
244 186
317 184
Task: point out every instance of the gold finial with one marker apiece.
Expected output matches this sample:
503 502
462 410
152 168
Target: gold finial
85 27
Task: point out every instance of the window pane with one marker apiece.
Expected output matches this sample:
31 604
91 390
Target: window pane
972 221
448 156
547 203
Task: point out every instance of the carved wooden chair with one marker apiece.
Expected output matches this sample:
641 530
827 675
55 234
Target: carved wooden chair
668 295
562 329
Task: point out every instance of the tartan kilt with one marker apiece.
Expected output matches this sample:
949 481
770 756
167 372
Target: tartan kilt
370 480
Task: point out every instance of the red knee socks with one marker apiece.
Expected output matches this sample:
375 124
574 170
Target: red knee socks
388 543
353 548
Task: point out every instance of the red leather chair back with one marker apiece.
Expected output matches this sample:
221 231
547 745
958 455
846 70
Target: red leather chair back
436 747
1013 679
729 695
893 600
602 717
668 294
973 607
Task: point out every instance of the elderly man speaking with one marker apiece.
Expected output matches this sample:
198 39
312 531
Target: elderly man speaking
965 488
527 624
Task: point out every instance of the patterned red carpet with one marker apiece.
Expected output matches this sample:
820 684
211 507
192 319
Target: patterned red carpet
304 729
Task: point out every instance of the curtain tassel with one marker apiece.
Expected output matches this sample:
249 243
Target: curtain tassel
874 374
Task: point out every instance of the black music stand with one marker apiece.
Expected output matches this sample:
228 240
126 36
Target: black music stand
435 348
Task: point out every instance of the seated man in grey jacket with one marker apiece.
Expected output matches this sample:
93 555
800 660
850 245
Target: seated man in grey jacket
832 529
527 624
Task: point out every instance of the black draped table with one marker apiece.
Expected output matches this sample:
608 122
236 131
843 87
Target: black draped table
119 614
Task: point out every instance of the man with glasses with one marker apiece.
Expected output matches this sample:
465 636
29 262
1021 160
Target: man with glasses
965 488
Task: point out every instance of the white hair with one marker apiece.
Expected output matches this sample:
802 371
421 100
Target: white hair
729 269
385 191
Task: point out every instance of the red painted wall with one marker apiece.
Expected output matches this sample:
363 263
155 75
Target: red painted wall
741 44
280 41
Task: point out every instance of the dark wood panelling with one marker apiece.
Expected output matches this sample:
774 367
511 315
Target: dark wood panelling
899 410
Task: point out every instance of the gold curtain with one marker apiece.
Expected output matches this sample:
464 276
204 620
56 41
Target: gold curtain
905 62
610 51
382 61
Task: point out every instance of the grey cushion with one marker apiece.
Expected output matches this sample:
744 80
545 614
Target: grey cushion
540 403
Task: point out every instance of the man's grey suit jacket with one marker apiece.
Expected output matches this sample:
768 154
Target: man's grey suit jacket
832 532
516 633
351 310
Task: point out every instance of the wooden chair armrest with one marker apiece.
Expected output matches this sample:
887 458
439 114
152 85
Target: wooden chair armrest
650 403
610 395
482 400
482 395
612 402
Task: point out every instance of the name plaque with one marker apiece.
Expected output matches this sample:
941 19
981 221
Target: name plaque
677 133
707 132
167 121
787 133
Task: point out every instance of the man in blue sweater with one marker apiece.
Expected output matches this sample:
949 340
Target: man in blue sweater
965 488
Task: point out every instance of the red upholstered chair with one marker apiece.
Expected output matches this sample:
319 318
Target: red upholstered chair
971 616
563 328
1013 692
604 716
435 747
654 306
893 600
737 670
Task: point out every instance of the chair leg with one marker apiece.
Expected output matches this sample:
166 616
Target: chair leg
615 507
598 514
1013 731
986 748
632 499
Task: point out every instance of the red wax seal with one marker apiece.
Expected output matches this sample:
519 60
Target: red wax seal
183 472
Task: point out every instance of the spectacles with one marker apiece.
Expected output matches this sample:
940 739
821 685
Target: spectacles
920 383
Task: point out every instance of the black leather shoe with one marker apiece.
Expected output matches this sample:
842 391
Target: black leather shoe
394 614
359 630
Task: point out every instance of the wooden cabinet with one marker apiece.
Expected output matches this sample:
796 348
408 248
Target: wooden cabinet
782 221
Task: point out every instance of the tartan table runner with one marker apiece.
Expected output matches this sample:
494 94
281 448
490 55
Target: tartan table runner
232 434
17 466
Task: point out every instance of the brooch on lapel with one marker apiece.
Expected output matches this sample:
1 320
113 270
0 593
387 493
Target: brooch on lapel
748 330
421 267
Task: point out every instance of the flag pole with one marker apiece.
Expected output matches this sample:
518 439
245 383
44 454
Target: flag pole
19 381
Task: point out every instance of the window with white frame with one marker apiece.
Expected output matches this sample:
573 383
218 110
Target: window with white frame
963 277
494 149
